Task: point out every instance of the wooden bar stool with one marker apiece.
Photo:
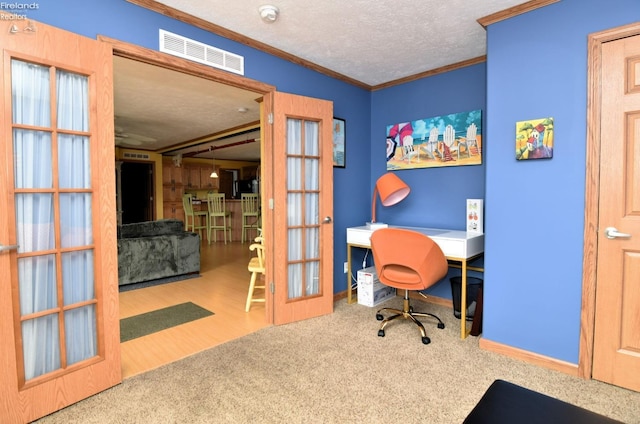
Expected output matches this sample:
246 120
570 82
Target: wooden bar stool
192 218
250 203
257 268
217 209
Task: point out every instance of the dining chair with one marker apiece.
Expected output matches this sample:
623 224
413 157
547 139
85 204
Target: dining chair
250 204
216 206
193 220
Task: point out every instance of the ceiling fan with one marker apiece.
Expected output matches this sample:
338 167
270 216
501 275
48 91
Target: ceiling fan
123 137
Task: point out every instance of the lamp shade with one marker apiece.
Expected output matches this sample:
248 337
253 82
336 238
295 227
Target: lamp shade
391 189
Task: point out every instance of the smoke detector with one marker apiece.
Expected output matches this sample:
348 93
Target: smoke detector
269 13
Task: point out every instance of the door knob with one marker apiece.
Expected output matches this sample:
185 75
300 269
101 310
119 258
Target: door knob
327 220
612 233
7 248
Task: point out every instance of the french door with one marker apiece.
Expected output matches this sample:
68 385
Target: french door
59 321
299 206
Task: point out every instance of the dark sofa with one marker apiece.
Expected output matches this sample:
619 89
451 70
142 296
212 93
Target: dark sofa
156 249
508 403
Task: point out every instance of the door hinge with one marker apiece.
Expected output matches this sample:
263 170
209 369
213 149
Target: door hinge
272 287
270 118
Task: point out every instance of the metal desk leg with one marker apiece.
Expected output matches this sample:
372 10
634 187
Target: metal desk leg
350 298
463 302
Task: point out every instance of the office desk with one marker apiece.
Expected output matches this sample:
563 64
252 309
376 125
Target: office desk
457 246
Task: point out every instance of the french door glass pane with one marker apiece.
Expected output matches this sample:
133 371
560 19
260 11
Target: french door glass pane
294 272
294 169
75 219
294 205
73 161
311 174
32 159
311 144
312 266
41 344
312 249
294 135
34 222
313 278
73 101
30 94
37 275
311 208
295 249
80 330
77 276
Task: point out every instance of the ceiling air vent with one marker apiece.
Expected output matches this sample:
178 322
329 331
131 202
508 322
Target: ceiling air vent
178 45
130 155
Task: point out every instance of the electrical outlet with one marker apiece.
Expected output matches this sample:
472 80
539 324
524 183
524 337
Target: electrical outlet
346 267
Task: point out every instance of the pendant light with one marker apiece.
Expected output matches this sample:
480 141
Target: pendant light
214 174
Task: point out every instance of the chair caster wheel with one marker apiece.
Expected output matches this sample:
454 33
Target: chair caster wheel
380 333
379 317
426 340
440 325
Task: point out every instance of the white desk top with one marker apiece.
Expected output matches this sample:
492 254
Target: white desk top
454 244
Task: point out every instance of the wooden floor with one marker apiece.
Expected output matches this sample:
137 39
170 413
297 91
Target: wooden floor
222 289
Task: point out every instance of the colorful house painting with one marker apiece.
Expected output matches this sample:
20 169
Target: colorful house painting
534 139
449 140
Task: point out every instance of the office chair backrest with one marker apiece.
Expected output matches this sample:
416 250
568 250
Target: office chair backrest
407 259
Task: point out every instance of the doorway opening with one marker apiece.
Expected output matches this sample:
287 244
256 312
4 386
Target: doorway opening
137 192
220 255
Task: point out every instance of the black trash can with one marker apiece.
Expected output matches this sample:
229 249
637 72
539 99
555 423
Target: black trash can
473 286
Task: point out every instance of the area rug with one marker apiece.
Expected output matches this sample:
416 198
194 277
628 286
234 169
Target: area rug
154 321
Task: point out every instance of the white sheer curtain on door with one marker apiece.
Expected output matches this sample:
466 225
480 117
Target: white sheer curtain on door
303 207
45 181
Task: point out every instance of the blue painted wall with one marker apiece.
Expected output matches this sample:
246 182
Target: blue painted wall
537 68
438 195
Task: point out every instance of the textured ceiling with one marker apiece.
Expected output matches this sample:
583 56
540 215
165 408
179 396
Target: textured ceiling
372 41
156 108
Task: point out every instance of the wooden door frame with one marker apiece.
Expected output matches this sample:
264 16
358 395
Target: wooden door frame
156 58
592 191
